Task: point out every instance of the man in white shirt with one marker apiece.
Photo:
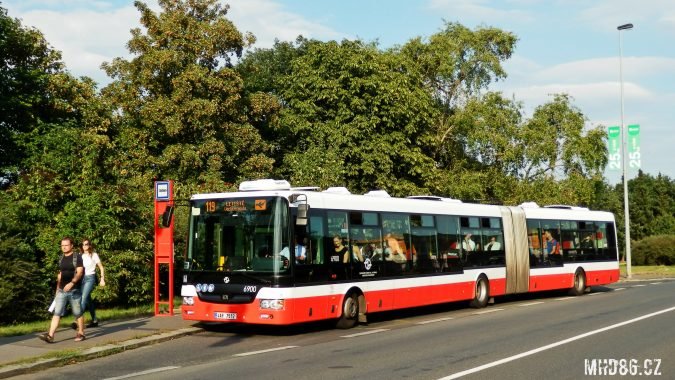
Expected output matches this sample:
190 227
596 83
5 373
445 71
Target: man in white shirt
493 245
300 253
468 244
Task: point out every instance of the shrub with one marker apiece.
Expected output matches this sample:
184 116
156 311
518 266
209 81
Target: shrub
654 250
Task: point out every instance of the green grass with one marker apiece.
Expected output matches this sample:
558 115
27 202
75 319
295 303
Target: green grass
649 271
101 314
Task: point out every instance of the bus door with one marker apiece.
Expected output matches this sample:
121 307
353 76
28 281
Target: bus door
314 268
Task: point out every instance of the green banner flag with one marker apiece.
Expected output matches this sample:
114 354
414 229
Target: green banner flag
614 141
634 159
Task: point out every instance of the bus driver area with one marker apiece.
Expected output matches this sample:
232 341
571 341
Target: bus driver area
274 254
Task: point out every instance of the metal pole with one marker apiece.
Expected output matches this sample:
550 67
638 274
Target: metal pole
624 159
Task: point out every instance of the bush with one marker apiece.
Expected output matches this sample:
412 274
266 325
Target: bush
654 250
23 295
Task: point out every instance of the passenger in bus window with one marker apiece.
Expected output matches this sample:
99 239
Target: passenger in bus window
551 245
371 251
340 250
587 241
468 244
493 245
393 251
300 252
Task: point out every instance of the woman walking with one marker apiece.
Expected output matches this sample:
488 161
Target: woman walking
90 260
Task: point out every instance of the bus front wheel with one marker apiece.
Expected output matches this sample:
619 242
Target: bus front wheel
579 286
481 294
350 312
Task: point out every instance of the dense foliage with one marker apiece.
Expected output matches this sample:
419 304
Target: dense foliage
189 105
654 250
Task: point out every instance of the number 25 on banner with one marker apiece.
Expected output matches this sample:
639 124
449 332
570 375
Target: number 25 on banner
614 148
634 158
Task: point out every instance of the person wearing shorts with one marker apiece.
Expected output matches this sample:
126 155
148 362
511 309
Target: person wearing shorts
68 284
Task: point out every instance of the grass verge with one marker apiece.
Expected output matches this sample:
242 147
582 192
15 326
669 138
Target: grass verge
649 271
102 315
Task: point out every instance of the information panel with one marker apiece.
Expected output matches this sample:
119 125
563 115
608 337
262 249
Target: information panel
634 158
614 141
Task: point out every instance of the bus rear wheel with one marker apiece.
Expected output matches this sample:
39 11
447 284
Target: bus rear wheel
481 293
579 286
350 312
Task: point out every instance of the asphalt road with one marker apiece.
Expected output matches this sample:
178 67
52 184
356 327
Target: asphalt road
622 330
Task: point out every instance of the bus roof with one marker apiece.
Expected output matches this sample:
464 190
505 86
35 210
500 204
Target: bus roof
339 198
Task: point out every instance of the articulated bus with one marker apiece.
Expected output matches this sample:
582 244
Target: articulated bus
274 254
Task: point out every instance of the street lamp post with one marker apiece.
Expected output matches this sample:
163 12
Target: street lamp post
624 150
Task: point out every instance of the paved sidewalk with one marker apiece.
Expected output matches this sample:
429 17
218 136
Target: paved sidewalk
27 353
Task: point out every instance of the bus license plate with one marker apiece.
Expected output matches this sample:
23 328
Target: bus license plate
228 316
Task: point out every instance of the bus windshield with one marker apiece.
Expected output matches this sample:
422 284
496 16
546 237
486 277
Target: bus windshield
239 234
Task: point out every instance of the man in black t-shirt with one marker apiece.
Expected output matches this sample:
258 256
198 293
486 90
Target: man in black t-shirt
71 272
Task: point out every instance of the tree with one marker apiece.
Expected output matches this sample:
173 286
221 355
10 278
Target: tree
652 205
352 116
26 63
182 114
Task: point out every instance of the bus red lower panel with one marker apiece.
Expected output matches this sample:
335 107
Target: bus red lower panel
551 282
602 277
566 280
295 311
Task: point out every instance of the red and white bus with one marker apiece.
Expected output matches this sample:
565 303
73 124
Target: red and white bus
274 254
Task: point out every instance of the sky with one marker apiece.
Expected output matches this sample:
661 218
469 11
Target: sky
564 46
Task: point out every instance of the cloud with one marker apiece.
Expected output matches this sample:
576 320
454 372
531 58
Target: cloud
86 38
89 37
608 68
608 14
268 21
479 11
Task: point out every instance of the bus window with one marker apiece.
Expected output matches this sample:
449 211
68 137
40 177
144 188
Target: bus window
449 243
604 234
551 247
493 241
534 241
471 241
569 240
425 247
336 243
396 231
316 237
587 244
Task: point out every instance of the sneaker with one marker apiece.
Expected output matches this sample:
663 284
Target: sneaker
92 324
80 337
46 337
73 325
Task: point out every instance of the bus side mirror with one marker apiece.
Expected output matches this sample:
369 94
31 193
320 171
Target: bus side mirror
301 220
166 217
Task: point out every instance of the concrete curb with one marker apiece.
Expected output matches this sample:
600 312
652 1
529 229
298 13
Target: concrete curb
95 352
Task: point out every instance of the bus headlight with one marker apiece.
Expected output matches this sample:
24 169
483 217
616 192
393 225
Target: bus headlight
188 301
272 304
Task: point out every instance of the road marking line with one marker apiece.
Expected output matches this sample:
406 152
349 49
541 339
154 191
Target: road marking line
531 303
146 372
593 294
654 283
617 289
565 298
639 286
486 311
434 320
364 333
265 351
553 345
